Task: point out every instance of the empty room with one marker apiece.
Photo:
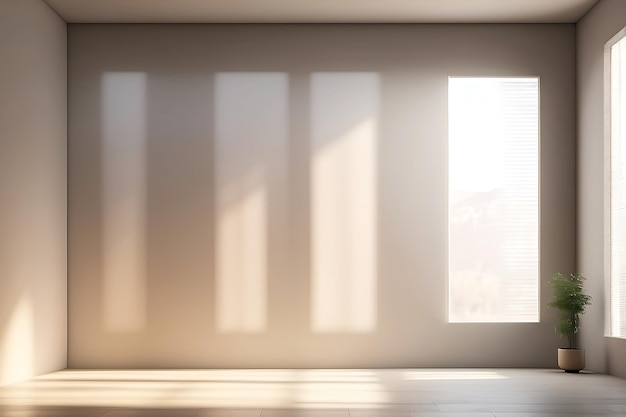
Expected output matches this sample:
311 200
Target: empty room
313 209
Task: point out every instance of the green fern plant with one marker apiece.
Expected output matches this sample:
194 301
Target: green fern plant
571 300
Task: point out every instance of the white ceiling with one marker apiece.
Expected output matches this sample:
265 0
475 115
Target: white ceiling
321 11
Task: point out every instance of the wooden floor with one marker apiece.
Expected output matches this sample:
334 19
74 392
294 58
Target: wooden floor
316 393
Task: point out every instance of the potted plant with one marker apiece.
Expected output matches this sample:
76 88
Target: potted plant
570 299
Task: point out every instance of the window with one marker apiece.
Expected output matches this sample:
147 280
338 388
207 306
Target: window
493 200
616 54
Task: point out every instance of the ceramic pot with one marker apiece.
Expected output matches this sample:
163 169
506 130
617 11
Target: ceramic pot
571 360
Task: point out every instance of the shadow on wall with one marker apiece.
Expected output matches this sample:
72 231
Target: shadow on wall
177 148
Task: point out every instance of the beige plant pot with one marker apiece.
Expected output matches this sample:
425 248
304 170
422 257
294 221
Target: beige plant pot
571 360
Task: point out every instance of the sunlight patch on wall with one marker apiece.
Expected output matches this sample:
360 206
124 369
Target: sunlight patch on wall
17 344
344 134
242 263
124 200
251 119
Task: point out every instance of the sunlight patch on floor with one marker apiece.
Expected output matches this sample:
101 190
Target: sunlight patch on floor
213 388
451 375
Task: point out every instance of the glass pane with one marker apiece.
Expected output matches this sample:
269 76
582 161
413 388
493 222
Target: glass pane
493 199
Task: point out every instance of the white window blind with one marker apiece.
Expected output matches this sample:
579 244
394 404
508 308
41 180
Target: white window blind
493 203
618 190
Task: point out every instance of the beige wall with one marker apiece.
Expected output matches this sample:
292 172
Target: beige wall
195 147
592 32
33 137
